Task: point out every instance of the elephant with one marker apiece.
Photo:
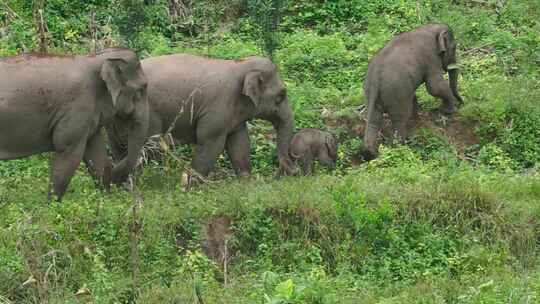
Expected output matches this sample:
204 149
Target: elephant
310 144
208 102
398 69
60 103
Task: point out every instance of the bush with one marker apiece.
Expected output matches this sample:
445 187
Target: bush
322 60
494 157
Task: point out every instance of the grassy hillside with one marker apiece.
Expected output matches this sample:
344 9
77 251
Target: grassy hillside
452 217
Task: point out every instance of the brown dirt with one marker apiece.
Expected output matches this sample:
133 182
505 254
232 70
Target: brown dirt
454 129
216 233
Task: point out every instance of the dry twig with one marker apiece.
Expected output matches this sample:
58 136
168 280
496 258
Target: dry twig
41 26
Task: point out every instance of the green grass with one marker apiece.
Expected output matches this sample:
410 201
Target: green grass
379 232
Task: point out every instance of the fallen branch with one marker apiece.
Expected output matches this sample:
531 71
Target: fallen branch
484 48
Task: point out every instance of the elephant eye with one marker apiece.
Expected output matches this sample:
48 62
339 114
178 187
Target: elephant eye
139 93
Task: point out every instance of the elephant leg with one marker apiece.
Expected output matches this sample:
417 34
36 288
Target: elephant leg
206 154
65 162
400 131
96 160
374 125
416 107
400 117
307 164
437 86
239 150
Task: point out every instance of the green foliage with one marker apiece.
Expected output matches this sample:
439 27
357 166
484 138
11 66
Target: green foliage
353 15
507 117
521 138
266 15
399 155
494 157
431 146
321 233
322 60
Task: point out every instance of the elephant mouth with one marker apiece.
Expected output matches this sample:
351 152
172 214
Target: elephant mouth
124 117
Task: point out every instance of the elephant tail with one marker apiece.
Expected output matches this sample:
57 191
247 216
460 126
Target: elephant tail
294 155
371 92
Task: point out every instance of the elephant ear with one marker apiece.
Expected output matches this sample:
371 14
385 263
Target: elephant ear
111 73
253 86
442 41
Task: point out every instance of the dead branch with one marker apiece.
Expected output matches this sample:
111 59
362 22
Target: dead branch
29 248
484 48
93 32
157 143
225 262
41 26
135 234
180 10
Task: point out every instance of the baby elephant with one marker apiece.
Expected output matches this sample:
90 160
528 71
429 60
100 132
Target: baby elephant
310 144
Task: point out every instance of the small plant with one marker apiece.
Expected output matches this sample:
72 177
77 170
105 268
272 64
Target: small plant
399 155
494 157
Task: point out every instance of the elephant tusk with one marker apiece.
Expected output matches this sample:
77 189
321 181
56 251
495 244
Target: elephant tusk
453 66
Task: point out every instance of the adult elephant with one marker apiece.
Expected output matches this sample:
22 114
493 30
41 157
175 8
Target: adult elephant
207 102
398 69
60 103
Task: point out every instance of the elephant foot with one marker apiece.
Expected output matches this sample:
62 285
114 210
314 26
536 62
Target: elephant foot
106 180
369 154
448 109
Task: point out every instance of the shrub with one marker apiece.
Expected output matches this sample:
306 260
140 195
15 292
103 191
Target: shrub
494 157
322 60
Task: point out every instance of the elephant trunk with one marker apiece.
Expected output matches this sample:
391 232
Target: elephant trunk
284 124
136 140
453 78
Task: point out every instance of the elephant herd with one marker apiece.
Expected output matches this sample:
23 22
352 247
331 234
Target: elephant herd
61 104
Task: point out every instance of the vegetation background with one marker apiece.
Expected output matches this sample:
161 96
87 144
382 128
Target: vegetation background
452 217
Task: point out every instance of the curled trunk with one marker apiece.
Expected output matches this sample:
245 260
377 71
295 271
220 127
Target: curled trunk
284 124
453 78
136 139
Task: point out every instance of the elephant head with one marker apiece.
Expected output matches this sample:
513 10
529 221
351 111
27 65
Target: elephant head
127 85
264 87
447 51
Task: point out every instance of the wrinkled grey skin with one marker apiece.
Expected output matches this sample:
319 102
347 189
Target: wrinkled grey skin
394 74
59 104
310 144
207 102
